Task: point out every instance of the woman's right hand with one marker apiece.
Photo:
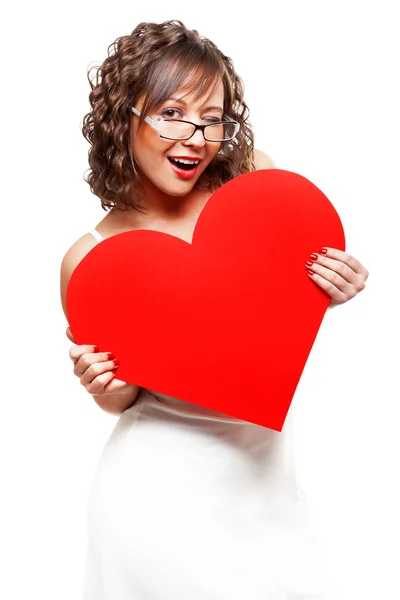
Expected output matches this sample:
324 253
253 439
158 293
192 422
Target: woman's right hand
96 370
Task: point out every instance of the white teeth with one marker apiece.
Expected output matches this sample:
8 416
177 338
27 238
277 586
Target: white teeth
185 162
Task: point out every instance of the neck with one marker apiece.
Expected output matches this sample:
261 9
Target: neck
156 204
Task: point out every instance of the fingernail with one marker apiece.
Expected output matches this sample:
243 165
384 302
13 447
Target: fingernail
313 256
116 362
110 356
310 272
309 263
323 251
95 348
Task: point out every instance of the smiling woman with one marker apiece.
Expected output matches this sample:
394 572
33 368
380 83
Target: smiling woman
197 72
159 152
185 502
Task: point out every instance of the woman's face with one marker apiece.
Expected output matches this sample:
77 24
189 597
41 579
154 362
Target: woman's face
154 155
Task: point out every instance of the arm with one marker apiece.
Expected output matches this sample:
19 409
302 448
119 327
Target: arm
94 370
338 273
263 161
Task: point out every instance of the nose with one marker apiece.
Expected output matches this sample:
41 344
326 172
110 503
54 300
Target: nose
196 140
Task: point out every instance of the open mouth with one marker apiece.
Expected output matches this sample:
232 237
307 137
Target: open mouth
184 168
185 165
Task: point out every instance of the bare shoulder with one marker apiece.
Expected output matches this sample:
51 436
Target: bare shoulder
262 160
71 260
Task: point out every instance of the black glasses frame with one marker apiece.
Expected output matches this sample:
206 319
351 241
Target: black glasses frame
156 125
202 129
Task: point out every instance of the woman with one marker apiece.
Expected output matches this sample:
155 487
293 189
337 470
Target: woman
186 502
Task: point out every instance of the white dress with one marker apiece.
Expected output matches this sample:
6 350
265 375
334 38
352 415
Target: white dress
190 504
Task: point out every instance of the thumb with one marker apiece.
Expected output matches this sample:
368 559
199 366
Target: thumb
69 335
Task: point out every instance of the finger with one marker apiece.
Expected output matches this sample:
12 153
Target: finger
94 370
338 273
75 352
347 258
335 271
337 295
115 385
99 384
69 335
86 360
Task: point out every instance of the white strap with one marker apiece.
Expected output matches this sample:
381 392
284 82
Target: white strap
97 235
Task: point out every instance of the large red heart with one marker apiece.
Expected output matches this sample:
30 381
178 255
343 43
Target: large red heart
227 322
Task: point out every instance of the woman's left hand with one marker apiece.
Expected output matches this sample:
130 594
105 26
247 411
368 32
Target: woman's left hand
338 273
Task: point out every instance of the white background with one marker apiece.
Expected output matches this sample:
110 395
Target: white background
321 80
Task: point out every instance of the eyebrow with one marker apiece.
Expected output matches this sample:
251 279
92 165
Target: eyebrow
180 101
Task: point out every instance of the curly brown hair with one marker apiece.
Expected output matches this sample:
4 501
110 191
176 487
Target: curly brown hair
136 66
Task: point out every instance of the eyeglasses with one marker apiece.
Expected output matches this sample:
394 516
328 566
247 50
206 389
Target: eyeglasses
175 129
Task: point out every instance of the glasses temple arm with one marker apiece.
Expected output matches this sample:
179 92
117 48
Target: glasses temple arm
149 120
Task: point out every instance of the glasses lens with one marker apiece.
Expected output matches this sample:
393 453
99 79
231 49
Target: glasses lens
220 132
181 130
176 130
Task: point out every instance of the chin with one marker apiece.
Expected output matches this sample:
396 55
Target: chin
178 192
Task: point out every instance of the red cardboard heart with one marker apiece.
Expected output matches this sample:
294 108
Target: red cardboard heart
226 322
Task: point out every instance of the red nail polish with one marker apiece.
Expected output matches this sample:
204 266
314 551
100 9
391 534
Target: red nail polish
116 362
309 263
96 349
323 251
310 272
110 356
314 256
